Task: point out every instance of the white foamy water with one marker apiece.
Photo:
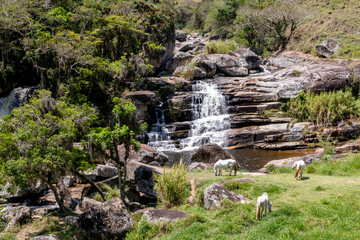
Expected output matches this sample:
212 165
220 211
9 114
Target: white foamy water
210 125
14 99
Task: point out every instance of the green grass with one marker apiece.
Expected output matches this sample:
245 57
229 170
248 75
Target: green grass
321 206
221 46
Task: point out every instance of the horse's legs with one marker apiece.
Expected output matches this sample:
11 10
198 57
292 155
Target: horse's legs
262 211
301 172
265 208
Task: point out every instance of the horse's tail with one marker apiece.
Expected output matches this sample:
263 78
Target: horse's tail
297 172
235 167
258 212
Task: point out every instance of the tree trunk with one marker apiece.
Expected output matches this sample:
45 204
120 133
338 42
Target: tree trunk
77 173
57 198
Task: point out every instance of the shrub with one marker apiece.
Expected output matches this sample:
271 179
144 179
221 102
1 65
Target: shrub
172 186
221 46
325 108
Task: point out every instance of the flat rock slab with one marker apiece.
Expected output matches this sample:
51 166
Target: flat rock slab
288 162
154 216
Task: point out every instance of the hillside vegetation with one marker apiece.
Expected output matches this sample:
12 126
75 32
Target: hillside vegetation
242 20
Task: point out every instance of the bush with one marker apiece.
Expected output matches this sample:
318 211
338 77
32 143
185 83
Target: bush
221 46
172 186
325 108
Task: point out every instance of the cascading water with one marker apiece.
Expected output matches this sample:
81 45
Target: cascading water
210 125
159 137
211 121
14 99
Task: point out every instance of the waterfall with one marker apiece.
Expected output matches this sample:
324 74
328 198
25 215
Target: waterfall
209 125
211 121
159 135
16 97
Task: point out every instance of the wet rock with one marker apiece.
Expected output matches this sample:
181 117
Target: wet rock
210 153
109 220
281 146
180 35
154 216
88 203
141 177
146 154
179 108
327 47
45 237
197 165
216 193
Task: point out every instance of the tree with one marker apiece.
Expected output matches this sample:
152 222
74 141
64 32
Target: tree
36 141
123 129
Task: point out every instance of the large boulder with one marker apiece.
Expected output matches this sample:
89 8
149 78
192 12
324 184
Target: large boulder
146 154
102 172
210 153
327 47
88 203
250 57
216 193
180 35
141 177
179 59
230 65
109 220
159 215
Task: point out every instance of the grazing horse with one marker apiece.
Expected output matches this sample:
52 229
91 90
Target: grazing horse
230 163
264 203
299 165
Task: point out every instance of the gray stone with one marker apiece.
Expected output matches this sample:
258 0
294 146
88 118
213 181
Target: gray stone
88 203
327 47
105 171
216 193
180 35
109 220
210 153
154 216
45 237
197 165
16 216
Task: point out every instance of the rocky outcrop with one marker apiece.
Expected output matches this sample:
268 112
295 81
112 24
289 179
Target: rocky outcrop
162 215
141 177
102 172
210 153
250 57
179 59
216 193
349 147
109 220
288 162
327 47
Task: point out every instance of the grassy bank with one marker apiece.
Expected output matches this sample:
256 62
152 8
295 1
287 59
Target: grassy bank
318 207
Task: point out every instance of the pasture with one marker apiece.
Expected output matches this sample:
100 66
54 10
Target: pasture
318 207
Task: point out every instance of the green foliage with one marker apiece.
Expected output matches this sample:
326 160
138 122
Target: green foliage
110 192
348 166
221 46
37 140
325 108
172 186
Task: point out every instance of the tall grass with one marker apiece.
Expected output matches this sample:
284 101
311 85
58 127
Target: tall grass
110 192
172 186
221 46
325 108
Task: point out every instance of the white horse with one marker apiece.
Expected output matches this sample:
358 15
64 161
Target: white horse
230 163
299 165
264 203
